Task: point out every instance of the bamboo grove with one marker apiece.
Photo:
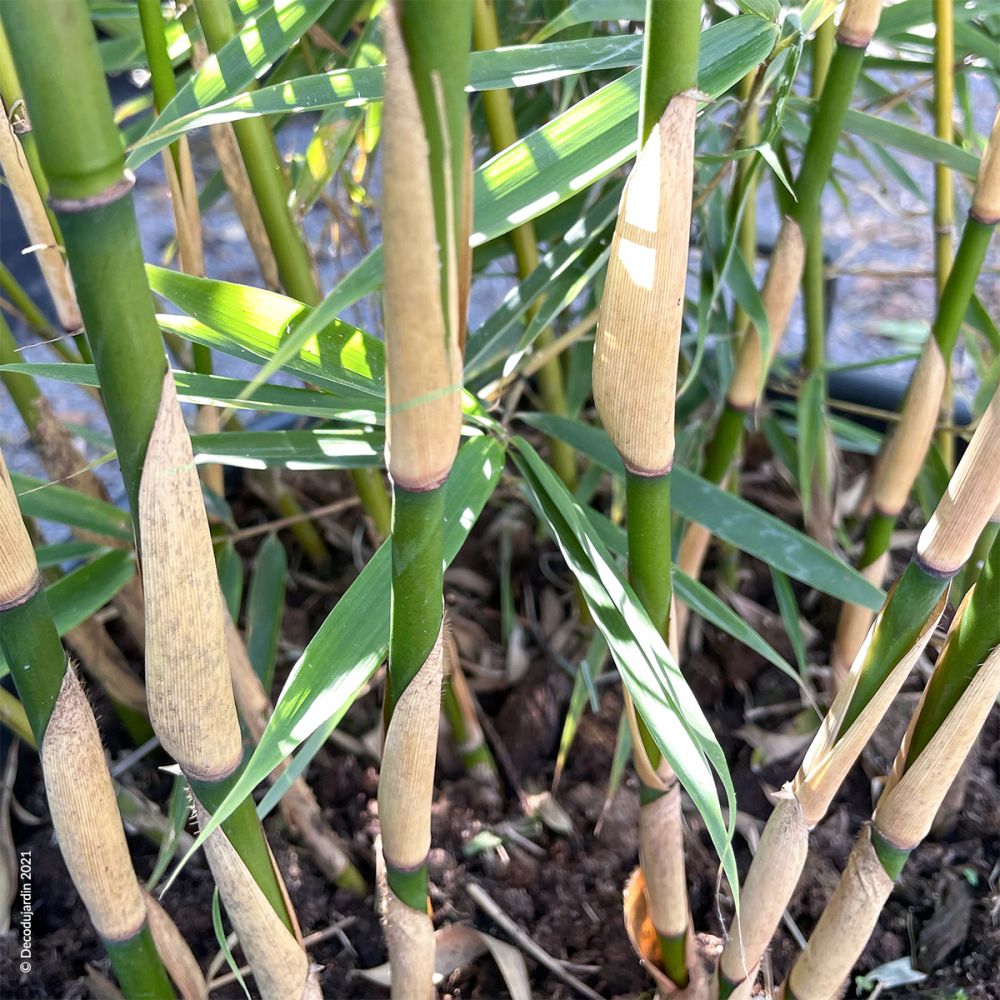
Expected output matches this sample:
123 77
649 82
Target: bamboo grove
632 428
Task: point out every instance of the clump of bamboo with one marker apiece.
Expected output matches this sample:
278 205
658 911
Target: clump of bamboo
955 705
857 26
77 782
425 220
893 646
635 379
906 447
187 675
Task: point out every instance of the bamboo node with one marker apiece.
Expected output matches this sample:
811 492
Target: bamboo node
23 598
120 189
858 23
986 197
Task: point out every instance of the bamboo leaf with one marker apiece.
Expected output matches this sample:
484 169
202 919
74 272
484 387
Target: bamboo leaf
729 50
256 321
76 596
349 448
586 11
789 610
647 668
883 132
52 502
265 607
492 341
84 591
730 518
218 390
554 163
262 40
49 556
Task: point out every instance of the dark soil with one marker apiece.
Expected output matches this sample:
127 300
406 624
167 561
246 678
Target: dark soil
562 888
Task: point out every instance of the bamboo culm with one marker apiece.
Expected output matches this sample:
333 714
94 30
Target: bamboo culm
426 221
905 448
961 692
893 645
635 373
188 687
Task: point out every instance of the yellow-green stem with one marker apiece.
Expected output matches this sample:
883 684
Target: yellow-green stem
944 211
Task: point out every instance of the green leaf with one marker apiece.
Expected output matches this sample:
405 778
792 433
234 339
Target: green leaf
343 448
491 342
255 322
659 690
244 58
769 9
229 566
83 592
265 607
730 518
585 11
217 390
583 685
554 163
883 132
52 502
48 556
354 639
789 609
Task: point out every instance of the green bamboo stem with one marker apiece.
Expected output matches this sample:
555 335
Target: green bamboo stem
30 643
974 639
814 170
909 615
669 68
952 304
944 189
498 109
83 159
417 605
425 229
882 849
161 69
813 278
